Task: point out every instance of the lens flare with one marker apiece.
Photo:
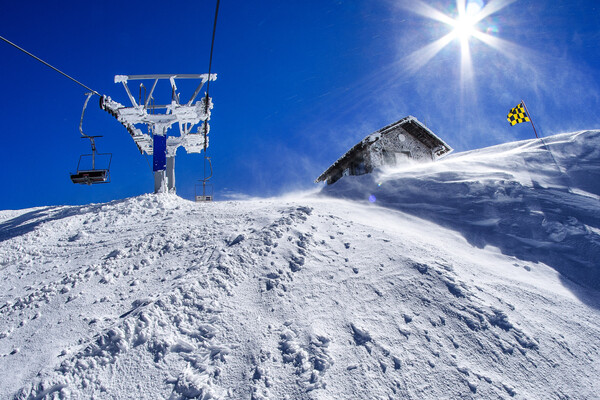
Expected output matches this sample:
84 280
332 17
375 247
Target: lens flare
372 198
492 30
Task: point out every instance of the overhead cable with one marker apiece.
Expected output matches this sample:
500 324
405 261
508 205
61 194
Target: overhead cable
212 45
48 65
206 158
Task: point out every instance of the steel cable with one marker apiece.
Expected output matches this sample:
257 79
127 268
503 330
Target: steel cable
48 65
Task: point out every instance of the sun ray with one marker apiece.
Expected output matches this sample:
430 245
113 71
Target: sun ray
425 10
466 66
420 57
468 93
492 7
505 47
461 6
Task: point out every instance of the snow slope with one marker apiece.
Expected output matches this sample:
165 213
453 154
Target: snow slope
535 199
316 297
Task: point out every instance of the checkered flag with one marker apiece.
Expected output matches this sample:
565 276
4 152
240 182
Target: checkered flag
517 115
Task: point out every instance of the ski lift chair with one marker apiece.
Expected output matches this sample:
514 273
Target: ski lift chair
207 188
94 175
204 192
91 176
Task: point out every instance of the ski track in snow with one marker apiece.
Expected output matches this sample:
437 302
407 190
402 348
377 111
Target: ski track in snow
311 298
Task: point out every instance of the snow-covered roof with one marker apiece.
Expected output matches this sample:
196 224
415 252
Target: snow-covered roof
411 125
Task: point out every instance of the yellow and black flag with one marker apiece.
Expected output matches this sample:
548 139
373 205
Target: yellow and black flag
517 115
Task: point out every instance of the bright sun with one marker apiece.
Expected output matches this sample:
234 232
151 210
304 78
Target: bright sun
464 27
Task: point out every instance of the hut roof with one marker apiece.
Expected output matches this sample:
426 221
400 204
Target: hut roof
411 125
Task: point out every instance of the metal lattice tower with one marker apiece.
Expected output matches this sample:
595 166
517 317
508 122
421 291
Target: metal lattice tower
157 142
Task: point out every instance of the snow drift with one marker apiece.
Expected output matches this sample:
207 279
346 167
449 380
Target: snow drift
536 200
476 279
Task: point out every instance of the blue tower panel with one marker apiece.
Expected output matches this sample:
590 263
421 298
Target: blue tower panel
160 153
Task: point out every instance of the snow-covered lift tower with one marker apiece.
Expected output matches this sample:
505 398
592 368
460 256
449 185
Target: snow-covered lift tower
156 142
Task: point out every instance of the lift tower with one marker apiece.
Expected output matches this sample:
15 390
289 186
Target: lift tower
159 118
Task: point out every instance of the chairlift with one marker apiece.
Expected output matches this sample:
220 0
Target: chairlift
207 188
91 176
204 192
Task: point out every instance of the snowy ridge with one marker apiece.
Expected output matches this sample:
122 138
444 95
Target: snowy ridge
315 297
537 200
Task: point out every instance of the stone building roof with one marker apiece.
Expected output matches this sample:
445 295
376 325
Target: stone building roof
411 125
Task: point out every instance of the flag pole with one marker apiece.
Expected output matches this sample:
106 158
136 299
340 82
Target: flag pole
530 119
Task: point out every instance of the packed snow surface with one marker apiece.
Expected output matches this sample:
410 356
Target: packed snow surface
471 277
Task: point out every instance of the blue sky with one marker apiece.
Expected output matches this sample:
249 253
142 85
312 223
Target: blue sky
299 82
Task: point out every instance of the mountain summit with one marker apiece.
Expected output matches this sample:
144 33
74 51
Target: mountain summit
472 277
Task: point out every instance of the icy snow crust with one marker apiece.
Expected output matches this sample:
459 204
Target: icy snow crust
315 297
